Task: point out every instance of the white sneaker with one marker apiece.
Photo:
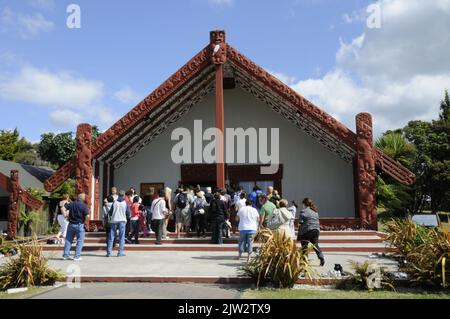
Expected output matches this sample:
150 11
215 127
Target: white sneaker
78 259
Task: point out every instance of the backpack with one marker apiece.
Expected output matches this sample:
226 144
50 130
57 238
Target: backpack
182 200
277 219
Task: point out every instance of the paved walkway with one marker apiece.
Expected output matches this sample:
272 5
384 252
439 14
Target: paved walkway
185 264
145 291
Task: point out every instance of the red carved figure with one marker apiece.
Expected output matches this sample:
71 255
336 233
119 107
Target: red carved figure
83 170
218 47
14 196
365 161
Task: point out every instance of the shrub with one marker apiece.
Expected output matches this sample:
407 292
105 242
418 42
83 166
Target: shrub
425 250
279 261
29 268
427 263
363 274
405 236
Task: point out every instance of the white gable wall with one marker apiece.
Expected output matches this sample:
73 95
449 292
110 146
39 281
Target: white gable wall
310 170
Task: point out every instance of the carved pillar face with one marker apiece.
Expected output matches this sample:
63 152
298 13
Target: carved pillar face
365 164
83 171
218 46
14 195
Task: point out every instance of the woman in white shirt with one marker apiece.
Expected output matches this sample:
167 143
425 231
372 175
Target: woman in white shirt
248 218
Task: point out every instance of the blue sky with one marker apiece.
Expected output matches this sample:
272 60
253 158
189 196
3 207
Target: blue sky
52 77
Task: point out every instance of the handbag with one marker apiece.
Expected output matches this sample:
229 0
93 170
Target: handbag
277 219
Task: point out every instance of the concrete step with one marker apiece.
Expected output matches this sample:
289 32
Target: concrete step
338 234
195 240
327 247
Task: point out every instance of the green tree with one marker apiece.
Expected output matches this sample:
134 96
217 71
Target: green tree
397 199
432 162
57 149
9 144
16 149
445 108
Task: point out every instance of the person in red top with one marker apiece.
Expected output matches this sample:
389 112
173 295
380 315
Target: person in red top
135 219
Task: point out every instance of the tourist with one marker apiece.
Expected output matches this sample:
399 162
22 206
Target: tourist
293 208
143 219
136 214
266 210
183 203
147 203
120 214
107 205
132 191
282 220
78 211
114 193
208 195
129 195
217 215
248 218
61 215
198 207
242 202
159 214
254 197
270 193
168 199
275 198
239 203
309 230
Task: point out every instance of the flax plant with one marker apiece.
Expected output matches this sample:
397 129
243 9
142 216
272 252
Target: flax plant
278 261
29 268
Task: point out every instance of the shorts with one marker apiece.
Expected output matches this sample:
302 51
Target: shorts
183 217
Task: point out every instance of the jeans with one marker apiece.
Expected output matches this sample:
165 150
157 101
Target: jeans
246 241
157 226
312 237
112 234
74 230
217 232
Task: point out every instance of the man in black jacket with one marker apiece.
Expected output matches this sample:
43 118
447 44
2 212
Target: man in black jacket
217 215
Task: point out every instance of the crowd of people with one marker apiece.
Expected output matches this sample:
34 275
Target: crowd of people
128 217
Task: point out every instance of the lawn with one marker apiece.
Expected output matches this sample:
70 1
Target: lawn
22 295
337 294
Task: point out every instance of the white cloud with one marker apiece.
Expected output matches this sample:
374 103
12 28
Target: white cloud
43 87
398 73
126 95
70 98
26 25
64 118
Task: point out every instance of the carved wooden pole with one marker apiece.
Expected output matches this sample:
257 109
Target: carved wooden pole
83 170
219 57
365 170
14 195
